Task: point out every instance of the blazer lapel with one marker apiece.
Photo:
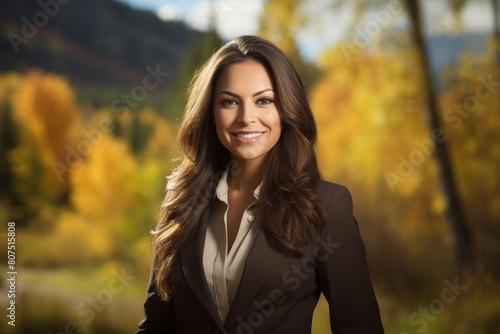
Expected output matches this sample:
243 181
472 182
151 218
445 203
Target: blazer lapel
260 262
191 256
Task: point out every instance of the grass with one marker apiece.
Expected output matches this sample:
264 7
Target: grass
61 300
65 300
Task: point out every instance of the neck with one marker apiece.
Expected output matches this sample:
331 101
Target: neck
247 176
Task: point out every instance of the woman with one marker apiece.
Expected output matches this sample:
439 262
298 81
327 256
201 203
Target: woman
249 236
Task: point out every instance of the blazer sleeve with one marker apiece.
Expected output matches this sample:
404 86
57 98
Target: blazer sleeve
343 272
159 315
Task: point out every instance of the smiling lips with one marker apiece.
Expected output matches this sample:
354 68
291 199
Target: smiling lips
247 137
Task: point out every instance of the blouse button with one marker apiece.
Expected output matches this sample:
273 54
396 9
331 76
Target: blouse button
250 218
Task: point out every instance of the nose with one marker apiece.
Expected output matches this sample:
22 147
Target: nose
246 113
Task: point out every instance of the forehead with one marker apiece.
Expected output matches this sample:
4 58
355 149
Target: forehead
244 76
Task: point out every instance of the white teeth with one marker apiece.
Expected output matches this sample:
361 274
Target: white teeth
249 135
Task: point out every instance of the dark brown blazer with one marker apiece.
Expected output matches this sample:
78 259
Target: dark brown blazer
277 293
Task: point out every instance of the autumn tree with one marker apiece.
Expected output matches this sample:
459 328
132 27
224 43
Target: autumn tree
469 114
9 139
384 12
44 111
366 142
279 23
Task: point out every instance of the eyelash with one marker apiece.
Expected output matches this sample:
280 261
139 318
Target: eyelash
230 102
265 98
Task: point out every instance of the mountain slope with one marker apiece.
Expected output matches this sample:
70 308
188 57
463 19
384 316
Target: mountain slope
93 41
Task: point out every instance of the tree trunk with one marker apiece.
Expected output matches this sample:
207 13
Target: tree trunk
463 242
495 4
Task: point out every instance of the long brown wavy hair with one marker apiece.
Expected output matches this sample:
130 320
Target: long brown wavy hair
288 205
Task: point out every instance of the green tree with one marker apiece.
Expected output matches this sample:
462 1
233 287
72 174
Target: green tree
199 50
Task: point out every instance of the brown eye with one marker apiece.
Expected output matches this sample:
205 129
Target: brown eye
229 102
265 100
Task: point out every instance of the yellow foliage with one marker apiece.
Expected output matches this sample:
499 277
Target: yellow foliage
114 195
45 108
373 137
470 110
279 23
10 83
74 241
113 190
82 240
29 176
162 143
363 122
101 184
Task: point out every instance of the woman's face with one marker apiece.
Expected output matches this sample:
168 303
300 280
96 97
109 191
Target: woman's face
246 116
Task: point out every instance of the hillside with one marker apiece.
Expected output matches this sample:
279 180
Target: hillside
93 42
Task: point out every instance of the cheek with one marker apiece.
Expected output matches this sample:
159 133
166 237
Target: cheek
273 121
219 119
222 122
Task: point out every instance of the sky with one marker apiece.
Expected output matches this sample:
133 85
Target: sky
239 17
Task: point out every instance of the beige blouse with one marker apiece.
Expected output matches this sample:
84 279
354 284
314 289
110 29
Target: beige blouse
223 270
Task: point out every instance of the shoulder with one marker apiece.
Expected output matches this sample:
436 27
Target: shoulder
340 222
334 195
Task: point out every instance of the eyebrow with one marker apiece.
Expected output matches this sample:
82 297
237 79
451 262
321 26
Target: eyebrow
254 94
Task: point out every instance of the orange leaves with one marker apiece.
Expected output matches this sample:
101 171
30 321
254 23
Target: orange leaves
101 184
361 111
374 137
45 116
45 107
470 110
105 196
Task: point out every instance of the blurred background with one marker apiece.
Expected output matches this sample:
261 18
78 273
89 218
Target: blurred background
406 98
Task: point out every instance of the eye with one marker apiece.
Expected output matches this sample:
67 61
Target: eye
229 102
264 100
